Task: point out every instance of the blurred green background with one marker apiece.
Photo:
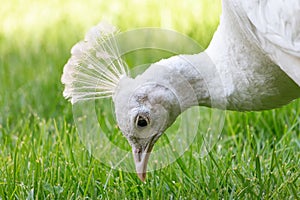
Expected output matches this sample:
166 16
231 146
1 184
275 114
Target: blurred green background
36 38
41 156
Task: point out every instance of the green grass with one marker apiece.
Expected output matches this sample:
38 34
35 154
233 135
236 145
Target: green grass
41 155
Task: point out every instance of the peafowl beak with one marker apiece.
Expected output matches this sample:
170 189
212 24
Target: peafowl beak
141 156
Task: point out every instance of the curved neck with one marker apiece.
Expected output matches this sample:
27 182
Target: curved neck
192 78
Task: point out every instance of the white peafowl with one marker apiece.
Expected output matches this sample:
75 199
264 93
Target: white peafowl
255 52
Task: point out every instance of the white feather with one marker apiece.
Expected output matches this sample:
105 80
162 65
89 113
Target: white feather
95 67
257 69
275 26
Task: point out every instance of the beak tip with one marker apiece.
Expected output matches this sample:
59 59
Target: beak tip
142 176
141 156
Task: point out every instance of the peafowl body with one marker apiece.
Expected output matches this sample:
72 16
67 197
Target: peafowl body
252 63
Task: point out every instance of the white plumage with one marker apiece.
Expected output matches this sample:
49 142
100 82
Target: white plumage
252 63
256 67
95 67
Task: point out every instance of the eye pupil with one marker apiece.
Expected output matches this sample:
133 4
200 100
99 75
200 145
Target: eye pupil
142 122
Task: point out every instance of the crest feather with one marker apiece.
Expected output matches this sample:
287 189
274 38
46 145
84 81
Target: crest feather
95 67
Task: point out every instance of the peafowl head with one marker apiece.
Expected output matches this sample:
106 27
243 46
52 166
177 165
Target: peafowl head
144 110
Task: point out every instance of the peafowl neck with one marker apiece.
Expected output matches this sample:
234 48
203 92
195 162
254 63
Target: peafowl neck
191 78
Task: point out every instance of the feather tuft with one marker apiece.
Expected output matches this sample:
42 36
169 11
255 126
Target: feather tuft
95 67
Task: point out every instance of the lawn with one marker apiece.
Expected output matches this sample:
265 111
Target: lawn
41 155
